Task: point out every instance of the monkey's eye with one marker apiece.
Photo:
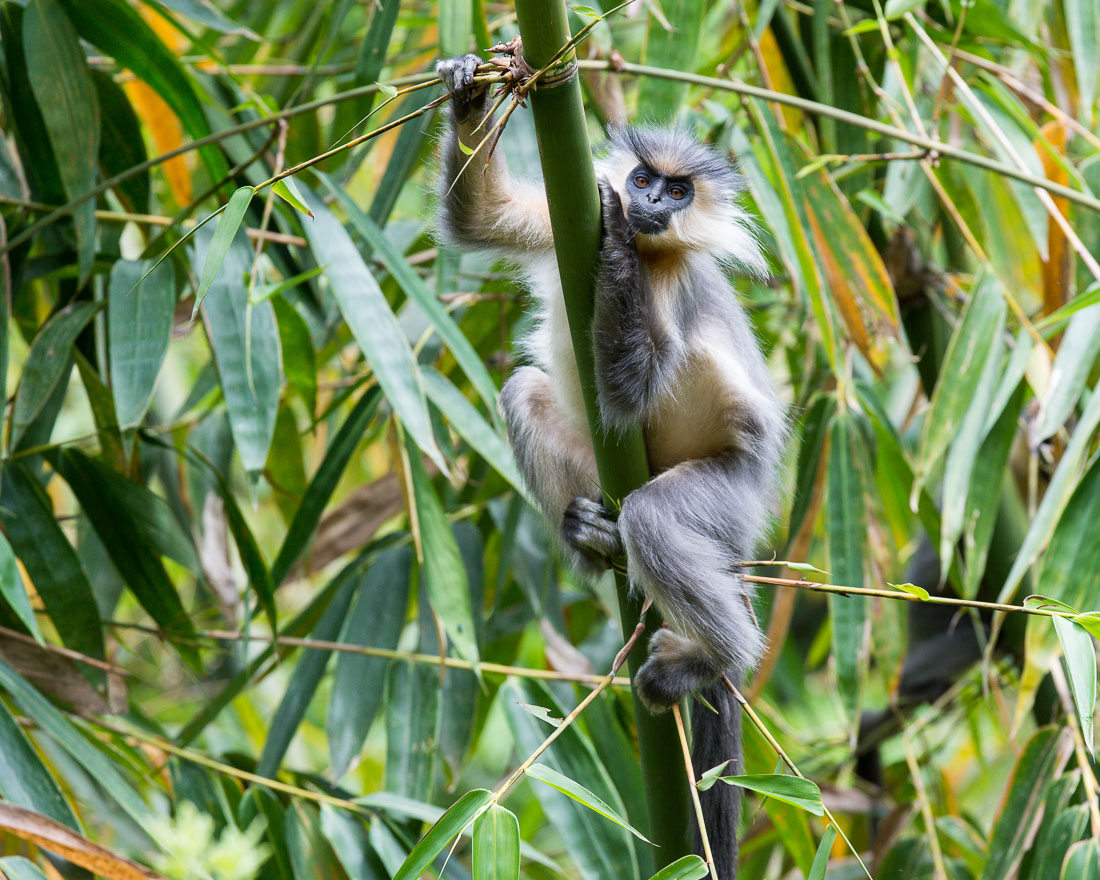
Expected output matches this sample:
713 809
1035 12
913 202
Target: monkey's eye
641 180
677 191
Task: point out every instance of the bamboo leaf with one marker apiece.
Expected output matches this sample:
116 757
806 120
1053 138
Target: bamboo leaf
684 868
220 242
51 563
417 291
245 342
1069 375
1083 29
323 484
455 26
141 308
116 29
461 813
14 591
373 325
47 363
444 572
24 779
1077 648
579 793
846 532
496 845
287 190
304 681
821 859
98 765
66 97
1065 829
793 790
1082 861
375 621
970 347
1036 766
675 48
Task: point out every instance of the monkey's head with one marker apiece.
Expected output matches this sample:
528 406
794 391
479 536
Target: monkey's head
679 194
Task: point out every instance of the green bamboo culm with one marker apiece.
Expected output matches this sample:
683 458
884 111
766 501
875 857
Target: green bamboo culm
621 456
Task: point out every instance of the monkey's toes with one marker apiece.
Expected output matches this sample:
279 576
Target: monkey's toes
589 529
458 75
658 687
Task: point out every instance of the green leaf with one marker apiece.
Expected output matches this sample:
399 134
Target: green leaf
140 312
1065 829
821 858
323 484
47 362
220 242
547 774
373 324
310 853
245 342
303 683
675 48
267 291
19 868
461 813
711 776
207 15
112 516
413 721
846 530
684 868
496 845
299 358
51 563
972 343
444 572
1077 648
1090 620
1068 375
1036 766
66 97
541 713
287 190
1082 861
24 779
598 849
793 790
1083 28
463 416
913 590
375 621
119 32
455 26
1056 497
387 90
417 291
98 765
14 591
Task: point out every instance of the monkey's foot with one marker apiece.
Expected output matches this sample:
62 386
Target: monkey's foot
676 666
458 78
616 229
589 529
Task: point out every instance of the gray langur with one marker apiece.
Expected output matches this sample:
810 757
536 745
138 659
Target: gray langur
674 351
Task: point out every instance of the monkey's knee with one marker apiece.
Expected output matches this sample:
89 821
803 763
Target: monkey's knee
676 667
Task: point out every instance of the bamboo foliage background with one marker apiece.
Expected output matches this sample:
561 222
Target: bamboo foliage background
272 600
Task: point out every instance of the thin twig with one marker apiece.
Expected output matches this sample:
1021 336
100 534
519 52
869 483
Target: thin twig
779 750
690 769
345 648
925 808
60 651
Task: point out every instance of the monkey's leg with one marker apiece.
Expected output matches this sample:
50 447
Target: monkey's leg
684 532
559 467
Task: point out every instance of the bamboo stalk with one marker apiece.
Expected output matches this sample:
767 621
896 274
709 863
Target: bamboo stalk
620 458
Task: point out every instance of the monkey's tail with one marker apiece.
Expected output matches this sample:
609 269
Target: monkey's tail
717 738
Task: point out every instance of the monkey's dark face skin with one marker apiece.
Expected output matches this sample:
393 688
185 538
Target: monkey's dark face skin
654 198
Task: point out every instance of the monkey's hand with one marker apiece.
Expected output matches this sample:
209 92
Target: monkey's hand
616 229
589 529
467 98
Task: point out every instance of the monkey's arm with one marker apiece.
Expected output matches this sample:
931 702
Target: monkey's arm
637 353
482 206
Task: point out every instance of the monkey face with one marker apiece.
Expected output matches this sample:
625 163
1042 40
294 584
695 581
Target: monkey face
654 198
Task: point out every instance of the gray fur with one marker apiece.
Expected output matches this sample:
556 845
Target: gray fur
678 355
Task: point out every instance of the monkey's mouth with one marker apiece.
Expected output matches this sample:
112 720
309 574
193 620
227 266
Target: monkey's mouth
648 224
